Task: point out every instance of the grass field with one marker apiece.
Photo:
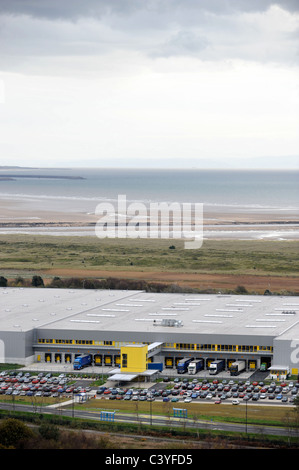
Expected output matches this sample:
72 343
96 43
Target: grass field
22 252
156 260
256 414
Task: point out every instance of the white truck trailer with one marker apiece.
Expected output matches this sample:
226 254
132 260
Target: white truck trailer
237 367
195 366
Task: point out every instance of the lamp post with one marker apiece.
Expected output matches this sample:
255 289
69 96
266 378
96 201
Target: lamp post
73 405
246 417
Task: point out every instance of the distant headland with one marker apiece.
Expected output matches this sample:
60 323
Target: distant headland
14 176
56 177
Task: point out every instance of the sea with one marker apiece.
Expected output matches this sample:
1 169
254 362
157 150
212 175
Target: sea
273 193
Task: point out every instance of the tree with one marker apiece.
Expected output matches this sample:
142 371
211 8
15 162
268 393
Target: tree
267 292
241 290
3 281
37 281
19 281
56 282
13 432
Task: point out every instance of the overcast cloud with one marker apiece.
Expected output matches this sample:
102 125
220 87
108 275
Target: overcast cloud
158 82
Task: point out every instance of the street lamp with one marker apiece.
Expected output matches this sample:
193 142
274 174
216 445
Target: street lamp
246 415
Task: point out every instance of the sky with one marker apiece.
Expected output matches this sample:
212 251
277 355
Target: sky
149 83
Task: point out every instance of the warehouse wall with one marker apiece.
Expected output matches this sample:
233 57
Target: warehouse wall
286 353
16 347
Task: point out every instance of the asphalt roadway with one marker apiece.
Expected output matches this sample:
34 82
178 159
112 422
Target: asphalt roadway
154 420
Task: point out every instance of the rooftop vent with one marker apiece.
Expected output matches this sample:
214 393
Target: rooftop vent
171 322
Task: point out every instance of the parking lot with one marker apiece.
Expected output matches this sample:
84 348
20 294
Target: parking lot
212 391
181 389
41 385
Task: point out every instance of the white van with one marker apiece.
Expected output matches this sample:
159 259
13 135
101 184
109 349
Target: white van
235 401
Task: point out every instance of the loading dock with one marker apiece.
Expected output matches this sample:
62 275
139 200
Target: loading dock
97 359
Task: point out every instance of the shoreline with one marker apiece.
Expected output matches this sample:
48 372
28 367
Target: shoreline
233 223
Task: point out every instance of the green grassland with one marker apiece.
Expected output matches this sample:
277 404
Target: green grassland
256 414
21 253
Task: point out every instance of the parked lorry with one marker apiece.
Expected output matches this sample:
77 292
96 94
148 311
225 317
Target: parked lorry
82 361
263 367
195 366
237 367
183 364
216 366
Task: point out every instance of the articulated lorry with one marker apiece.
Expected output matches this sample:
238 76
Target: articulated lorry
195 366
82 361
183 364
216 366
237 367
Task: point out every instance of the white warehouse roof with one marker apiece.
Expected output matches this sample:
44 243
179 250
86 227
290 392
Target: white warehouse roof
24 309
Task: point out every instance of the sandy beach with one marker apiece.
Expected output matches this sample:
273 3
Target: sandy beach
28 217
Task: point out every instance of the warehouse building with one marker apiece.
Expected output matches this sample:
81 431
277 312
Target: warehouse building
128 330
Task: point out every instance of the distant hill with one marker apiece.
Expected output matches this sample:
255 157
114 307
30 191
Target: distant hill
6 167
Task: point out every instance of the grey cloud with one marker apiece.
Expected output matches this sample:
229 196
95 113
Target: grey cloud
33 30
74 9
67 9
182 43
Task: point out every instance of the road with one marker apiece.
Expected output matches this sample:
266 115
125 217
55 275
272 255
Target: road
156 420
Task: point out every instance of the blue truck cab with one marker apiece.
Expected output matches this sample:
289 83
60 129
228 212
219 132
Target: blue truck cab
182 366
82 361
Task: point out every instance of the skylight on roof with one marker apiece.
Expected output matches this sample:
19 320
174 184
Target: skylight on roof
114 310
228 310
176 308
100 315
219 315
164 314
196 299
129 305
184 303
85 321
261 326
206 321
270 319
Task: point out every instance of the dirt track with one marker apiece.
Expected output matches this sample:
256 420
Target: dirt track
197 280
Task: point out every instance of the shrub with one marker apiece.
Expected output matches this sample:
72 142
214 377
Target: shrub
37 281
13 433
3 281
